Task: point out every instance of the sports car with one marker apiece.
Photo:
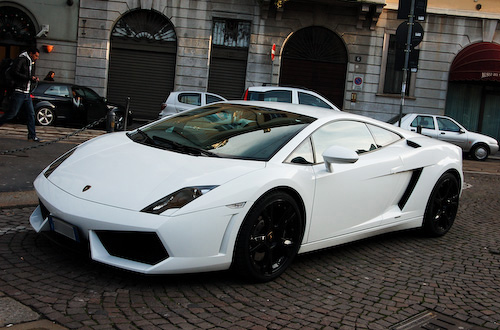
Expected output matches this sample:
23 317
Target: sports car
247 186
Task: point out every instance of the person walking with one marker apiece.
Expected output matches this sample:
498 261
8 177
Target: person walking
23 75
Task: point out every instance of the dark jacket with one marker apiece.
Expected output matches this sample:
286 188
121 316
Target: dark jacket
21 72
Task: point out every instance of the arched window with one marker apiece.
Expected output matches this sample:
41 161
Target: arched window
17 31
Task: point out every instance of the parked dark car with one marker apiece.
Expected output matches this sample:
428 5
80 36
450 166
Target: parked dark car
73 104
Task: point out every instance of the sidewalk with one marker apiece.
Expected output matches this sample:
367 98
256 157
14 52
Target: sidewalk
22 160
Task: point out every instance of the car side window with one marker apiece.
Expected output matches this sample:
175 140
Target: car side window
271 96
212 99
303 154
58 90
190 98
382 136
445 124
424 121
353 135
308 99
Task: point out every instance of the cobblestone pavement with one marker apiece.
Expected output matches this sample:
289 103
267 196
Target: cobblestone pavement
371 284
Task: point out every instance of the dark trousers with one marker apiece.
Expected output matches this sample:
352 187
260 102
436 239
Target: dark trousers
20 100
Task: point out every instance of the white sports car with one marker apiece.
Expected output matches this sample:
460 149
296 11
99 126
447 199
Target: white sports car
246 185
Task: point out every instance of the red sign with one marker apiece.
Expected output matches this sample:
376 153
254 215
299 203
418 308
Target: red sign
273 52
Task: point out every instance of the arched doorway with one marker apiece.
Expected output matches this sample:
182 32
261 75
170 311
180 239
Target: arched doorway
142 62
316 58
474 88
17 31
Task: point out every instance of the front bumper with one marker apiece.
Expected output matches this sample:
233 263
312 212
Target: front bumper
138 241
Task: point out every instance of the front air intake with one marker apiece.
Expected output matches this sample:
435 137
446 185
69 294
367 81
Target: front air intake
144 247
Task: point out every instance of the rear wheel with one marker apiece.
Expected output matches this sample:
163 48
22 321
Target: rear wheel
45 116
119 122
442 206
269 238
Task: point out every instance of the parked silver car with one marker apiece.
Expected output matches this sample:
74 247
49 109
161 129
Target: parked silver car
444 128
185 100
287 95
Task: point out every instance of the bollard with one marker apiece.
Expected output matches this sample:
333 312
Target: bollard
110 121
125 121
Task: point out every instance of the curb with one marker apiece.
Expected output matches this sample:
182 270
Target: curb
18 199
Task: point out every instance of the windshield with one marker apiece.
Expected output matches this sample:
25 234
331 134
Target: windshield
224 130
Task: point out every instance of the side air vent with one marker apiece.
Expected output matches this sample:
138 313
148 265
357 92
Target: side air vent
411 185
413 144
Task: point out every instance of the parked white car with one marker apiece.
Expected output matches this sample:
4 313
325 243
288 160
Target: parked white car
248 185
287 95
185 100
444 128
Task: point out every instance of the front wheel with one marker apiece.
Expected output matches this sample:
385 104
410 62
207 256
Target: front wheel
45 116
269 238
442 206
480 152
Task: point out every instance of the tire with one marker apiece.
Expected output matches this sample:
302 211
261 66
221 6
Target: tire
480 152
119 122
442 206
45 116
269 238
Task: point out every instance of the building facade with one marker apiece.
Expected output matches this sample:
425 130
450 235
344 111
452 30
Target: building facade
345 50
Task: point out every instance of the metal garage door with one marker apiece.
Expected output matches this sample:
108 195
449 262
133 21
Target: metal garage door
228 73
146 76
142 62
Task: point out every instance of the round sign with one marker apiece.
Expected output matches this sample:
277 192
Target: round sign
358 81
402 34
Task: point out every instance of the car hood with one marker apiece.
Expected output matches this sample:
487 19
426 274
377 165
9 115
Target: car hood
477 137
116 171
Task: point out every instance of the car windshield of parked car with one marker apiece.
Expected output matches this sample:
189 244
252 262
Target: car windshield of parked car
212 99
309 99
91 95
224 130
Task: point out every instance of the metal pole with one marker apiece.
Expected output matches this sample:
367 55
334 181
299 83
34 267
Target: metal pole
126 114
411 19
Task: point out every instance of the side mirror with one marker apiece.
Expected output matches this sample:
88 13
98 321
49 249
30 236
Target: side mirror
339 155
461 131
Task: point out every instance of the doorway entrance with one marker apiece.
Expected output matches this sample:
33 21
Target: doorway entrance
316 58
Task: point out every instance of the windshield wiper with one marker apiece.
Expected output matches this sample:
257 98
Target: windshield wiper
183 148
146 138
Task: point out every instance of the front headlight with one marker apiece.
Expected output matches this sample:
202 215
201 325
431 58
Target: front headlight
177 199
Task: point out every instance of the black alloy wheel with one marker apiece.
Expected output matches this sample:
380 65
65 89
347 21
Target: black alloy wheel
269 238
442 206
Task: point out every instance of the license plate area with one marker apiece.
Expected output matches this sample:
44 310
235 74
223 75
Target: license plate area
62 227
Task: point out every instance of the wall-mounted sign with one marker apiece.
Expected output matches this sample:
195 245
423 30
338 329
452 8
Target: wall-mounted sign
357 83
